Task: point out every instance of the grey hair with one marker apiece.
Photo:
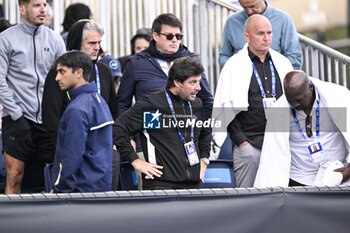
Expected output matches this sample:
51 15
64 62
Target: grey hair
91 26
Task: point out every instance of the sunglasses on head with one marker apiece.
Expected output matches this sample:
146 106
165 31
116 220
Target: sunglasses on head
171 36
308 126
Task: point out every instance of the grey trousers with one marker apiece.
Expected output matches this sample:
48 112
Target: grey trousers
245 164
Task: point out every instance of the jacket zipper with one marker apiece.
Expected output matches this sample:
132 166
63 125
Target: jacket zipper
36 72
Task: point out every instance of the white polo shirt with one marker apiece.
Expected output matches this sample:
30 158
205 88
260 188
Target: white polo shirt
303 170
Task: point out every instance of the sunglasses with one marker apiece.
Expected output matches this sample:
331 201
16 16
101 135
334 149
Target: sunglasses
308 126
171 36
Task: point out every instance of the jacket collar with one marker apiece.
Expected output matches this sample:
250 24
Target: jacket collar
154 52
267 11
86 88
29 28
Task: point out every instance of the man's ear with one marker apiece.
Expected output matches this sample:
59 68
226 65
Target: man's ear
178 83
246 36
155 36
22 9
78 73
311 86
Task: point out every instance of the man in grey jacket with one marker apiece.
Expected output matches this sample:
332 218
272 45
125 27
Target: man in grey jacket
27 52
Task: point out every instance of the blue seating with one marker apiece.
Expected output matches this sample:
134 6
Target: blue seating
219 174
226 150
127 179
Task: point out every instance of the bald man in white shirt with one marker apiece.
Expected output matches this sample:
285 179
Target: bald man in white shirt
306 134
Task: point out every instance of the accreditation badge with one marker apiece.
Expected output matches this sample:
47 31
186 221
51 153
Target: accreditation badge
316 152
191 153
268 102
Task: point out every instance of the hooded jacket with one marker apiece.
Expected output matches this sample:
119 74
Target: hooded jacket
55 101
75 35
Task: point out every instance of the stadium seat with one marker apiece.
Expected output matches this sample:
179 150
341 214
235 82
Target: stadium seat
219 174
226 150
47 175
127 177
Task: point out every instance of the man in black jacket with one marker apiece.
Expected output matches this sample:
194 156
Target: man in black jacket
85 36
175 143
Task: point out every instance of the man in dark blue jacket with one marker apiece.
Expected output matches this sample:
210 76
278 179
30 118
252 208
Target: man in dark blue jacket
83 158
147 71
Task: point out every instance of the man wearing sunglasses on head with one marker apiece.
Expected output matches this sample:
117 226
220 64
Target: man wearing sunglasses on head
147 71
307 135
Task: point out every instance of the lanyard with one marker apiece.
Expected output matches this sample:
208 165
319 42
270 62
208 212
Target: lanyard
98 84
258 79
317 121
174 116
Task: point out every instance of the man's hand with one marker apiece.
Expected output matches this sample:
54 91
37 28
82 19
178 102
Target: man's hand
147 168
202 171
243 143
345 171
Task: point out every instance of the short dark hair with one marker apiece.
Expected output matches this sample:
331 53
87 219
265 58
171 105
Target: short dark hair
182 69
168 19
76 59
74 13
21 2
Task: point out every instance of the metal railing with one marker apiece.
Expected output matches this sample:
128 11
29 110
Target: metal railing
212 15
320 61
324 62
203 22
120 18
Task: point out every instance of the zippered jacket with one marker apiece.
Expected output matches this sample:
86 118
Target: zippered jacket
27 53
163 145
83 158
